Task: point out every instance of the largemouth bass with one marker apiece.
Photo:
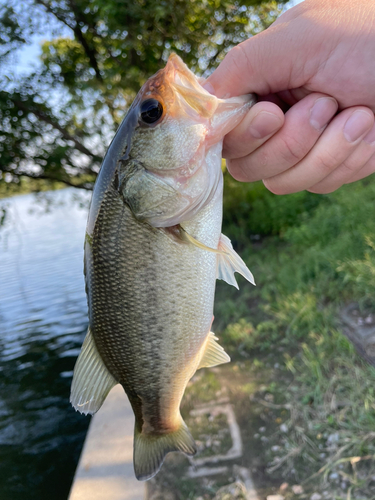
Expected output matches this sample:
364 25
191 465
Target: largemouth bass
153 252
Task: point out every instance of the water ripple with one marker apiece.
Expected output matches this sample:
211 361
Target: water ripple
43 319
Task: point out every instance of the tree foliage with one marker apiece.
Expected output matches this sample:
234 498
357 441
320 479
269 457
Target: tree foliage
57 121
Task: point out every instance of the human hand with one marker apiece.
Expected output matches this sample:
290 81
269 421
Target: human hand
317 58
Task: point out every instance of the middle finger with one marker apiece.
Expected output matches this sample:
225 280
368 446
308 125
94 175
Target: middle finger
304 123
338 142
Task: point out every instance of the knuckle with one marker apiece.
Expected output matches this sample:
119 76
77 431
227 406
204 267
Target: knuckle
326 161
238 170
236 58
351 167
249 168
263 158
292 150
322 189
229 150
275 187
244 56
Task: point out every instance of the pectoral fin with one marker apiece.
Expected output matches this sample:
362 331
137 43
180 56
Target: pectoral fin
91 379
213 353
185 236
229 262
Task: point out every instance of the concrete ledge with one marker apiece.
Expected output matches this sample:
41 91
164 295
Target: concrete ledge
105 469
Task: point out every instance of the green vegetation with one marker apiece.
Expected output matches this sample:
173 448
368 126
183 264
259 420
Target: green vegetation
58 119
27 185
311 255
303 398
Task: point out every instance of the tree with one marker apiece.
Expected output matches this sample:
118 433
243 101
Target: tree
57 122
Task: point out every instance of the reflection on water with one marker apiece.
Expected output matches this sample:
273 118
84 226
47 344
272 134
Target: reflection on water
43 319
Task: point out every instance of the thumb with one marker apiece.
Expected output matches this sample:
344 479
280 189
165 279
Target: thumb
269 62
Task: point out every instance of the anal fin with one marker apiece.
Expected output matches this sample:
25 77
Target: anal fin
91 379
213 354
229 262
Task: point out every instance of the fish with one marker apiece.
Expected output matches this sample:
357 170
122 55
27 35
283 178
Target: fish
153 252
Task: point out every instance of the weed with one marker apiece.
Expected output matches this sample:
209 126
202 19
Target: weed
315 255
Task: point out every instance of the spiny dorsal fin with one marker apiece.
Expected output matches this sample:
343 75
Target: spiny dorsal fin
229 262
91 379
213 353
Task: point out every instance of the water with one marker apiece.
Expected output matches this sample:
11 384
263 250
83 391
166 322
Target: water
43 320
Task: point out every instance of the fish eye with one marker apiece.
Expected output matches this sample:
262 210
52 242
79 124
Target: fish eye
151 111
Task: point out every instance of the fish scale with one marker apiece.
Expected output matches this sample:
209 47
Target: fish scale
131 317
153 252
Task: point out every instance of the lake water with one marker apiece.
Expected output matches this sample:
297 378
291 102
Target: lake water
43 320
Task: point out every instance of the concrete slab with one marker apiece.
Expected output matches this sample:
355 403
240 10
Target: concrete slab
235 451
105 469
244 474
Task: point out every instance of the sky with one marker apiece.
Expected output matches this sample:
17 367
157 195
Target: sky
28 57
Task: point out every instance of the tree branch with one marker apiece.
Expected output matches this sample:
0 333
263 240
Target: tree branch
42 116
84 185
90 52
51 11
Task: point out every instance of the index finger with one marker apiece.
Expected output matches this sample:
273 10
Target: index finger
266 63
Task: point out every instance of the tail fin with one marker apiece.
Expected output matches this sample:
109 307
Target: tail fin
150 450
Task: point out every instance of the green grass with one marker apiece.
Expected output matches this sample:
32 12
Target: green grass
26 185
310 255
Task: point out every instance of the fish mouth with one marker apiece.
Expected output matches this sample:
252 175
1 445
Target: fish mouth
186 85
180 91
202 105
176 65
177 73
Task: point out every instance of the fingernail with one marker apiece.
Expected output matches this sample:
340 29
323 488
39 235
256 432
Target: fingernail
322 111
370 137
208 87
263 124
357 125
